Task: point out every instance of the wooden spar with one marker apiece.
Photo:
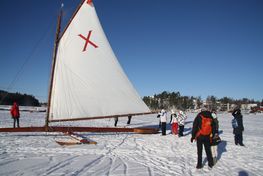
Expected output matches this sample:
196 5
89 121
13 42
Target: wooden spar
103 117
53 67
24 129
81 129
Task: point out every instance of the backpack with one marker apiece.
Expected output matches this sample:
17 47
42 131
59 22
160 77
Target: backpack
206 127
234 123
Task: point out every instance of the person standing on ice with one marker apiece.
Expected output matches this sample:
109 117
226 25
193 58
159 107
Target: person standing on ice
174 123
203 130
14 111
216 139
181 117
163 119
158 116
129 119
116 119
238 128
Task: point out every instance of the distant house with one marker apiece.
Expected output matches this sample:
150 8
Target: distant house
248 106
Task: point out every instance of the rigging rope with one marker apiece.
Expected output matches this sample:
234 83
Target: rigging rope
30 56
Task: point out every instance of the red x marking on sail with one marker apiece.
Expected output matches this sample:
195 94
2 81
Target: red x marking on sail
87 41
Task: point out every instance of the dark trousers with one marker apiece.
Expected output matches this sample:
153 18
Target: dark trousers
181 130
239 139
115 121
163 128
129 119
16 121
204 140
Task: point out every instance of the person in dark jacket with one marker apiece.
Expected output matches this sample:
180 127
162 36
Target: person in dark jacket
14 111
238 130
203 130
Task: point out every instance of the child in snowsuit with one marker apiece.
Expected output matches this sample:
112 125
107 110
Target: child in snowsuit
14 111
174 123
203 129
238 127
181 117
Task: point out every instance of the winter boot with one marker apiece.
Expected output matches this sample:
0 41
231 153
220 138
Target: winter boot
214 160
199 166
210 166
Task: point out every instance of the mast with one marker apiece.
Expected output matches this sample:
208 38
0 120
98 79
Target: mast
53 66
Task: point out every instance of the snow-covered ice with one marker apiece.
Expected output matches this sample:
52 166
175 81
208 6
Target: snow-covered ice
127 153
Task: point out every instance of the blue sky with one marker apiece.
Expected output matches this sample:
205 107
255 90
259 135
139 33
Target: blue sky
199 48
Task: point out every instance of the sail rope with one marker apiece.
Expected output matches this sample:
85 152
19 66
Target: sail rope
27 59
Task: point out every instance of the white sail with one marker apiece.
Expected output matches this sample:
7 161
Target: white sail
88 79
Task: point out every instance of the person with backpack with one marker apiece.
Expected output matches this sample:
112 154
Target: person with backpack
14 111
202 132
238 128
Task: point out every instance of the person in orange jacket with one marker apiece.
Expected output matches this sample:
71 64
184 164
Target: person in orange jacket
203 131
15 114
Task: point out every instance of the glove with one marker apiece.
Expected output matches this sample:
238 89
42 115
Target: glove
192 140
215 136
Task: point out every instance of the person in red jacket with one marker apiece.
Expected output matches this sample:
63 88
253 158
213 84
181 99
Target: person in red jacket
15 114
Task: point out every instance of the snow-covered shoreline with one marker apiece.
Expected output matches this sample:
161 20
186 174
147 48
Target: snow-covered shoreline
127 153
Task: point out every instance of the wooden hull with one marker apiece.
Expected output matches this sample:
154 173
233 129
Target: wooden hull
81 129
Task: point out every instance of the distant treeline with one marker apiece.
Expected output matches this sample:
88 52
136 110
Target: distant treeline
7 98
169 100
